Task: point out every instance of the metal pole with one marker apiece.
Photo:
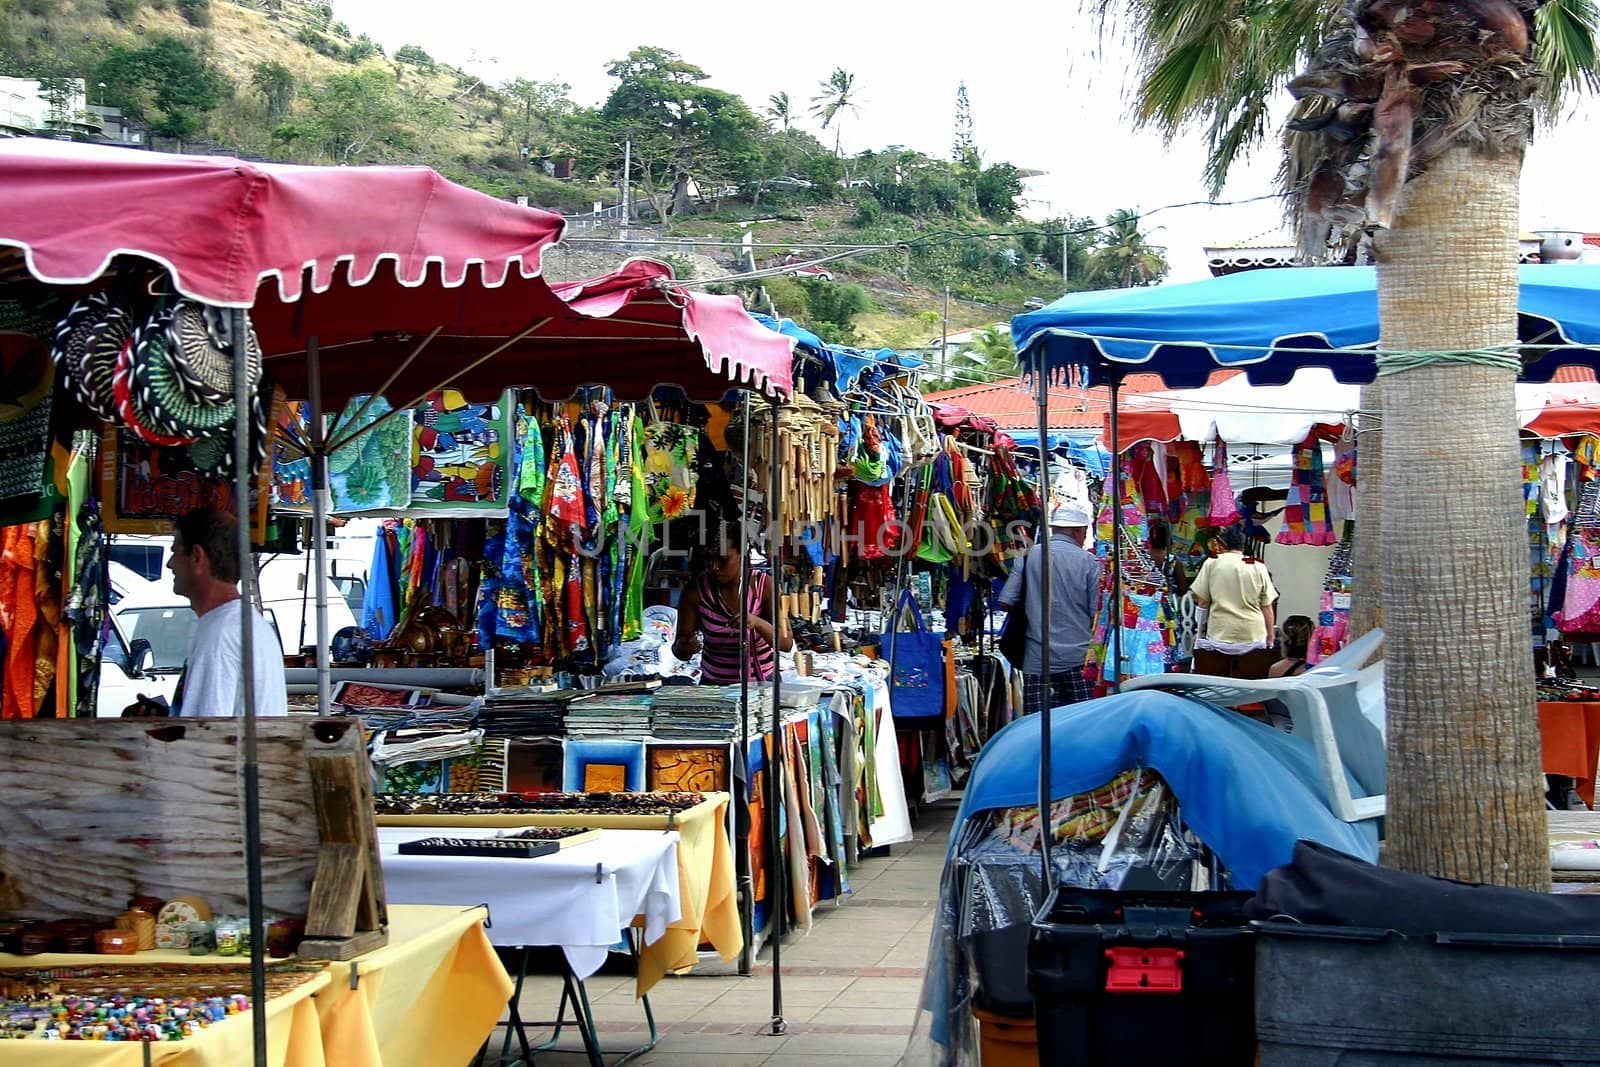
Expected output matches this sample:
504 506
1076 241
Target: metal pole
747 882
243 476
321 505
1114 620
1042 383
944 338
779 880
627 174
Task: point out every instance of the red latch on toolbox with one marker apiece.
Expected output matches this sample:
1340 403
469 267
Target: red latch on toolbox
1144 970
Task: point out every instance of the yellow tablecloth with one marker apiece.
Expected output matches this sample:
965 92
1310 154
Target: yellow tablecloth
706 877
427 999
710 899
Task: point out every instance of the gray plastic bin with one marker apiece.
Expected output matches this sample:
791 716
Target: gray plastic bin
1356 997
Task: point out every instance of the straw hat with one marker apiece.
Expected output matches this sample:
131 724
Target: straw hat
200 352
88 341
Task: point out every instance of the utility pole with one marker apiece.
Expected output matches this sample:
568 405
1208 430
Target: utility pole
944 339
1063 253
627 174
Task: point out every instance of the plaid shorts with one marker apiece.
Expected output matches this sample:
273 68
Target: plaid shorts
1066 687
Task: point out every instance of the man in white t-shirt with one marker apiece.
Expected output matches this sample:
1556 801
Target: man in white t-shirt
205 569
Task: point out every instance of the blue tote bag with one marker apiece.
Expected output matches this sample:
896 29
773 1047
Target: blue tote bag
916 675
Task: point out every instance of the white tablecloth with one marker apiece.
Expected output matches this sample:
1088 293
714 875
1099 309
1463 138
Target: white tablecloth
551 900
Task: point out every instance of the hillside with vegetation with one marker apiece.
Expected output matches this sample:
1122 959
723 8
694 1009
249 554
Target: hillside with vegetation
287 80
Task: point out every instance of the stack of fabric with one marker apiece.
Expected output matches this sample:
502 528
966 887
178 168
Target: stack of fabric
624 715
525 714
696 713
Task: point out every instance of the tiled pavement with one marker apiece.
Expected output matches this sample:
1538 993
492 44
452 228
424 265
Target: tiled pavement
849 986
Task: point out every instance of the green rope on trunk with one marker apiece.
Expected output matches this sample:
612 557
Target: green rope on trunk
1398 362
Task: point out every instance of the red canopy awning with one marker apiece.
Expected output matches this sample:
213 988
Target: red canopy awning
1142 424
1565 420
304 248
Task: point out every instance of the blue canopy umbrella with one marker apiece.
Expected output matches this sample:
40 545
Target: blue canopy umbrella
1270 323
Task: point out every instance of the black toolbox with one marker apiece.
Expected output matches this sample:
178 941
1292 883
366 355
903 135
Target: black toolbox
1148 977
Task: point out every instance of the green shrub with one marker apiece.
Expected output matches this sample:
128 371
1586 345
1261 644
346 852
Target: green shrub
195 12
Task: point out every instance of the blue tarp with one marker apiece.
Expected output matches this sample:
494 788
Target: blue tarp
1184 330
1081 446
847 365
1247 790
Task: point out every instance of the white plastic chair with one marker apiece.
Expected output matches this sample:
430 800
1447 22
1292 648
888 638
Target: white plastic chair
1325 707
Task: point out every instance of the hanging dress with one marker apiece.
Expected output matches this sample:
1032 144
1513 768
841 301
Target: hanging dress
1305 514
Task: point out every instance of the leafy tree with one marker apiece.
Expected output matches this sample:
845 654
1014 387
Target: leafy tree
831 308
838 96
1413 123
990 355
996 191
275 84
540 118
413 55
58 94
1123 257
166 83
352 116
682 130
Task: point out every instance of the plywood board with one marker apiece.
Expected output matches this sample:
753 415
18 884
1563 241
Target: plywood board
98 810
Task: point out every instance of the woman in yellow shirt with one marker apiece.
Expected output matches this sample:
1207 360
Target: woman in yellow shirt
1238 595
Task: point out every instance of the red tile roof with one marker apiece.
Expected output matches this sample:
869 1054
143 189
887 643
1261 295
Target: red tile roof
1012 405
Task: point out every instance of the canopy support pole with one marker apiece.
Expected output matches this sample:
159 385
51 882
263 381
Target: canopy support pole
321 505
778 880
747 884
1114 620
353 433
243 477
1041 378
380 390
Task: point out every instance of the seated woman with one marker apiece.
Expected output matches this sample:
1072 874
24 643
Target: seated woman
1296 639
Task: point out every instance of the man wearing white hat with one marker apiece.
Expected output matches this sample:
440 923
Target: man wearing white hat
1074 593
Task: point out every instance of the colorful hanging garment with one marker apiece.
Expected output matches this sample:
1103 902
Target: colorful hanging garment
1305 515
1224 509
1580 608
19 614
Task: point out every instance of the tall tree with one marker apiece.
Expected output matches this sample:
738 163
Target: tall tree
780 111
1123 256
838 96
962 146
275 84
1413 123
990 355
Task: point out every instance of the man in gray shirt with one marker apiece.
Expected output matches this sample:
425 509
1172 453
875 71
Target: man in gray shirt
1074 595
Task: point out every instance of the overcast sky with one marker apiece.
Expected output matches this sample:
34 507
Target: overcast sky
1040 97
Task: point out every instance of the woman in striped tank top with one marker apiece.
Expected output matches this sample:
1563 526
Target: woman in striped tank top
708 622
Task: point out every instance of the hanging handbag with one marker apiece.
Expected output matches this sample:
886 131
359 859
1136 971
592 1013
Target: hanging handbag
916 668
1013 642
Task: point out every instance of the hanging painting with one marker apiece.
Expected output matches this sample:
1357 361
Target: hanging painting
458 454
372 472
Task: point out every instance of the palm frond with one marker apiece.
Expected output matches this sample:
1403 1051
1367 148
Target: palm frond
1564 47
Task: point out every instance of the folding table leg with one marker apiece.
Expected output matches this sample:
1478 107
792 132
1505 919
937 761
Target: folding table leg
514 1024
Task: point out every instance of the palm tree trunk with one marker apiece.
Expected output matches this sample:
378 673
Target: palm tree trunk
1465 788
1366 608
